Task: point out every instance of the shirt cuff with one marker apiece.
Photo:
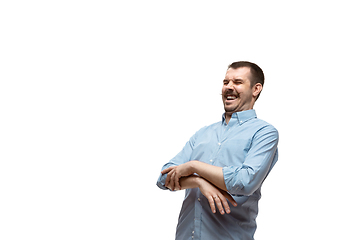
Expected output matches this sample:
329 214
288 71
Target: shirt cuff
233 185
161 181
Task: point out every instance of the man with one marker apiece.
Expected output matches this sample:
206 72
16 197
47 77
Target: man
226 161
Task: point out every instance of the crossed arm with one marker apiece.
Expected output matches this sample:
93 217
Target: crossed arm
215 182
211 173
210 182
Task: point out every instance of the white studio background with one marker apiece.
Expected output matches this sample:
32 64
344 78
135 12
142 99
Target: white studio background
95 96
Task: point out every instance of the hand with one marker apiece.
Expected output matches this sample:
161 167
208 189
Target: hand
216 195
175 173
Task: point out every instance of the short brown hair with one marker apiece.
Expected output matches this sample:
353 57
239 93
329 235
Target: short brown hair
257 75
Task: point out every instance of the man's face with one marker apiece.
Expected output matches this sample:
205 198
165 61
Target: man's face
237 93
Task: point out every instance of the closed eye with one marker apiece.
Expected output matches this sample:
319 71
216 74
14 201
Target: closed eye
238 81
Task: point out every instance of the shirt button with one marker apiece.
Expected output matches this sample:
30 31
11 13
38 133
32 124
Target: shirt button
240 121
199 199
219 144
211 160
193 232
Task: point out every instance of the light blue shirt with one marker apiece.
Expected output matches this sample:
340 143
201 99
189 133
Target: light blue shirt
246 149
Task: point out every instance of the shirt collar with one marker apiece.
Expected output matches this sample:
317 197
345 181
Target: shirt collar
241 117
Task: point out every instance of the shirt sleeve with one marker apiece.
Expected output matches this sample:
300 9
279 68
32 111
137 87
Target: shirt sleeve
180 158
247 178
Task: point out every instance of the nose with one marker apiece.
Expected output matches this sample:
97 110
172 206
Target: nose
230 85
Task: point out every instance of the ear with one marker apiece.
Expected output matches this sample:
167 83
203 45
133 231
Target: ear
257 88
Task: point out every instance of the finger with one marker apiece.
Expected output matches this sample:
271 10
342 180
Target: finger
177 182
230 198
219 205
172 179
167 170
224 203
168 179
212 203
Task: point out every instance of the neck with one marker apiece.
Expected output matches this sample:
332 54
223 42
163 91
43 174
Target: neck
244 108
227 117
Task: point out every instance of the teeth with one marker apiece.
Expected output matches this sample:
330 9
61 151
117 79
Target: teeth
230 97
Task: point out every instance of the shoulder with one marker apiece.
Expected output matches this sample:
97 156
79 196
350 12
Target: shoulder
211 126
263 124
262 127
206 130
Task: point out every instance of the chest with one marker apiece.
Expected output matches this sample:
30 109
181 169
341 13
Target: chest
223 146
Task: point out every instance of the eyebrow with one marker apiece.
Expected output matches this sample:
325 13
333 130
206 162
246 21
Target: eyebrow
236 79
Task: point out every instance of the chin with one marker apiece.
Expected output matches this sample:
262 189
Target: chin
229 110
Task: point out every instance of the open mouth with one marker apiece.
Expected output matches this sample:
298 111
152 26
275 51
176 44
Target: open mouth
231 97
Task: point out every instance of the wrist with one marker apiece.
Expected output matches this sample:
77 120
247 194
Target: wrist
192 181
193 166
199 181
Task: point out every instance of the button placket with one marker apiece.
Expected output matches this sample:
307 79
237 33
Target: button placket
197 220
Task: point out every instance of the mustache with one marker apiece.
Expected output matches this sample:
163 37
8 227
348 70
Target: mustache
229 93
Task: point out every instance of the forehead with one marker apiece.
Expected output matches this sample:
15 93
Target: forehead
239 73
